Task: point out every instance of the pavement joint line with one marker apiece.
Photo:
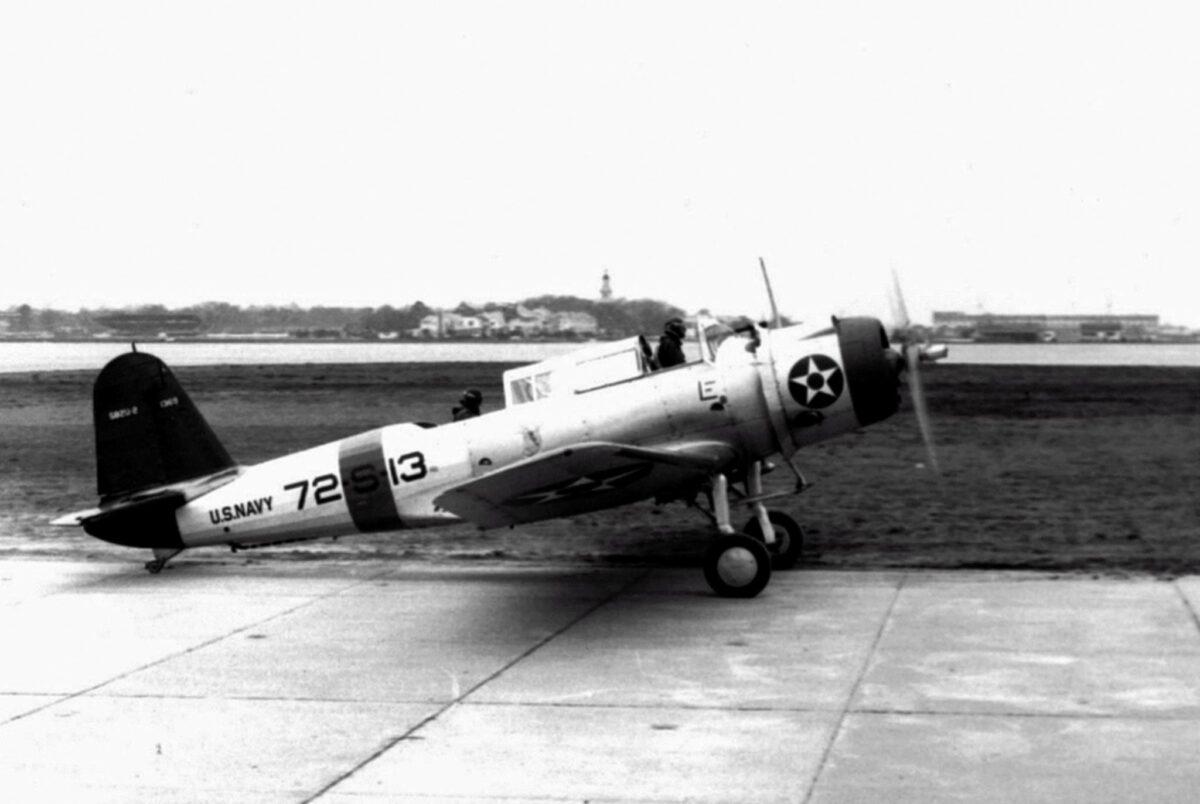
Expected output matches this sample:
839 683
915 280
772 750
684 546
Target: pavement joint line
548 799
853 710
541 643
261 698
862 673
428 701
1187 604
1141 716
1081 655
184 652
650 707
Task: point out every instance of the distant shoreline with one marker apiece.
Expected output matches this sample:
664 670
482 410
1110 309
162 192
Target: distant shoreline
288 340
62 355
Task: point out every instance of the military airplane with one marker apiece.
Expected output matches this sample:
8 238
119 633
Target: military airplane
595 429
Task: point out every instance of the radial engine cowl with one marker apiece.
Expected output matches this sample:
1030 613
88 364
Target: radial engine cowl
872 368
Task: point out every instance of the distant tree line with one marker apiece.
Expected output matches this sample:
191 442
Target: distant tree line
615 318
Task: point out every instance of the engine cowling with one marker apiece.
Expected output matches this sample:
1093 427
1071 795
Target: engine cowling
827 383
872 368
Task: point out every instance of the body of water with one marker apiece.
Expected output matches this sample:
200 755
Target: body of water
60 356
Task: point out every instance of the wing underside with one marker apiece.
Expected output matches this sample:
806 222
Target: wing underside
581 478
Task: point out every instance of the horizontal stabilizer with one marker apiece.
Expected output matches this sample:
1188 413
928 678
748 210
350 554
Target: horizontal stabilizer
144 521
581 478
76 518
147 518
165 498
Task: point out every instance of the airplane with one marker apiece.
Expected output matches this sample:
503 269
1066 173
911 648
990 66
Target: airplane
598 428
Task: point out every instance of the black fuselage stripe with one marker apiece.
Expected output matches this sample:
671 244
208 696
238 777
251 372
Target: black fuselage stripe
365 481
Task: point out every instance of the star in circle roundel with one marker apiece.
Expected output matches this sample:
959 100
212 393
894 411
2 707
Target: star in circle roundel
816 381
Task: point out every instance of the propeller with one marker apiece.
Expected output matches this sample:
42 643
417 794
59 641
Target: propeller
914 354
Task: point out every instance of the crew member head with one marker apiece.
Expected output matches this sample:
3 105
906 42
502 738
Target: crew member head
468 405
471 398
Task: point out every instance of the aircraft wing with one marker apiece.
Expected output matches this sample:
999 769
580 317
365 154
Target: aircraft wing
581 478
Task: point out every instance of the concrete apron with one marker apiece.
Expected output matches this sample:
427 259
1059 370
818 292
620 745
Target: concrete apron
362 681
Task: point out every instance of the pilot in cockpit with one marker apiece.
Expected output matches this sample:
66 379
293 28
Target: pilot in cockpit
468 405
670 345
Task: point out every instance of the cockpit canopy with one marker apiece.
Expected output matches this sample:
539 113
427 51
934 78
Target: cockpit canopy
585 369
607 363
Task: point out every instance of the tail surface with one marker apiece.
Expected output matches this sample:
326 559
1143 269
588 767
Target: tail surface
148 431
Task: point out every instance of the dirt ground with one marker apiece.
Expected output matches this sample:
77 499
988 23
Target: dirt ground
1074 469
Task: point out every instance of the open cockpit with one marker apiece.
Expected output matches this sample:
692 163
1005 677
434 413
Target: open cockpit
611 362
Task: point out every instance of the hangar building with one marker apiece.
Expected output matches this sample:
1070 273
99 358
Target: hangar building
1045 328
152 325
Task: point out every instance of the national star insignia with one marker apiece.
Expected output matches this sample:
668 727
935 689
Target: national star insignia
591 483
816 381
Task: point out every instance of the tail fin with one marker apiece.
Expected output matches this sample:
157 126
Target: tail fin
148 432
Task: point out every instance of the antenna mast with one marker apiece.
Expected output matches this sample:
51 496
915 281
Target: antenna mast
770 294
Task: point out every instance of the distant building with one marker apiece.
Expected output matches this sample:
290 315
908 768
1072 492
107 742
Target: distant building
526 325
529 321
1045 328
539 313
429 327
492 321
605 288
447 324
152 325
460 325
573 322
489 323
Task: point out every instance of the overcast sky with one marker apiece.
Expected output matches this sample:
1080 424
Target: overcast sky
1014 157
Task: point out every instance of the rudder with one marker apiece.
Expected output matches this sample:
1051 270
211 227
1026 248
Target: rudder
148 431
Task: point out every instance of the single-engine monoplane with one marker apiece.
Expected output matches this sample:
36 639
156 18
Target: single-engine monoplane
595 429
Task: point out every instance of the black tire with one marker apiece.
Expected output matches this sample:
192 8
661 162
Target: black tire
789 539
737 566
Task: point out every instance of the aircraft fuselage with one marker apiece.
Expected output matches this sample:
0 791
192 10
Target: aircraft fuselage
387 479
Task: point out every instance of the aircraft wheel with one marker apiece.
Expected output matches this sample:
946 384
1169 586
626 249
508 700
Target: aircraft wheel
789 539
737 566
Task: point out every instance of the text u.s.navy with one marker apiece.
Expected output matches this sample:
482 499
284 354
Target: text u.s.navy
228 513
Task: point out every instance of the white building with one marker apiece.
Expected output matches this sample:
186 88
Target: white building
446 324
459 325
430 326
492 320
530 321
575 322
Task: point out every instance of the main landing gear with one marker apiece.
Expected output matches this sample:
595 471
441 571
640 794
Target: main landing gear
737 565
740 564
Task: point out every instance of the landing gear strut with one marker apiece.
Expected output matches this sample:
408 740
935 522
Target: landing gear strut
161 556
789 539
740 564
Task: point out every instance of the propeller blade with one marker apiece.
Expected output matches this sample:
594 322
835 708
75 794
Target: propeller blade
912 356
899 308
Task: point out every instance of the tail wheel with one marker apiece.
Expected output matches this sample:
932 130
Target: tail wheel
737 566
789 539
